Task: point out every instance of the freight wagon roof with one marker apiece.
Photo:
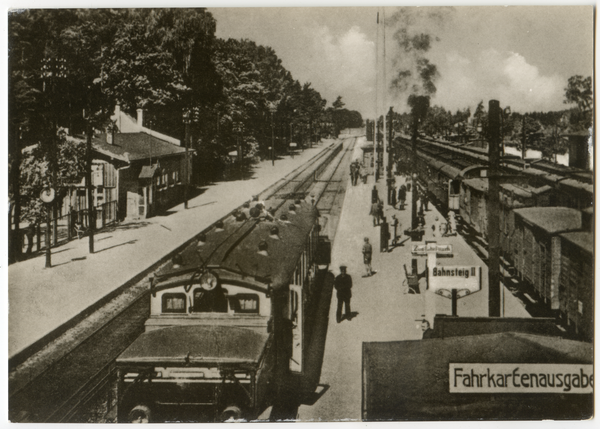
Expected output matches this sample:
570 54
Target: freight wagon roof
552 219
576 184
582 239
478 184
196 344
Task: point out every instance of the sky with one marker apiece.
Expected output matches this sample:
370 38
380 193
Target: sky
519 55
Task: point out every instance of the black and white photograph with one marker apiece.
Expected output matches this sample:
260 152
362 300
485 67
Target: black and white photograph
299 214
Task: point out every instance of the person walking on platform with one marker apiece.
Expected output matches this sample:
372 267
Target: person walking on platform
353 173
363 173
367 252
384 235
436 227
394 201
343 286
375 213
425 200
401 197
395 225
374 195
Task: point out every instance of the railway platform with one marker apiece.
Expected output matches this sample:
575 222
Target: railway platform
43 299
381 310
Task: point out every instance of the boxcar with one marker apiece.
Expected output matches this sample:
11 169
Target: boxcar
576 289
536 248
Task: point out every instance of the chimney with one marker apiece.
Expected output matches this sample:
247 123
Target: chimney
109 137
140 117
117 109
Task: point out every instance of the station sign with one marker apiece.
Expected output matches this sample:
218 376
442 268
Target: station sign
521 378
421 249
293 144
465 279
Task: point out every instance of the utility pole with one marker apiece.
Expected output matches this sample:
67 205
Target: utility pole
186 120
493 209
389 156
523 141
88 179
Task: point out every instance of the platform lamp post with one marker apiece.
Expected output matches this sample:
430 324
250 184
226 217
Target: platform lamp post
47 196
88 171
272 109
54 70
187 120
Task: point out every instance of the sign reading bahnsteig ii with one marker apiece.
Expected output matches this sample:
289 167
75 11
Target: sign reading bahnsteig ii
521 378
466 278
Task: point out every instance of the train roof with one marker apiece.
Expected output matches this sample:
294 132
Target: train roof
233 249
582 239
576 184
477 183
552 219
525 190
208 345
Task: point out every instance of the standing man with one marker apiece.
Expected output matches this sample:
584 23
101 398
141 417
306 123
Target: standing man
402 196
425 200
343 286
367 251
395 225
384 234
374 195
375 213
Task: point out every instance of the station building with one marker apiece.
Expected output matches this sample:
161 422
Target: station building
136 172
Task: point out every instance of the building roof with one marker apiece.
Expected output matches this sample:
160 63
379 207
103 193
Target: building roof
582 239
552 219
136 146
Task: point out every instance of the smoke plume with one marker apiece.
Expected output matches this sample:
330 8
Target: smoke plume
413 34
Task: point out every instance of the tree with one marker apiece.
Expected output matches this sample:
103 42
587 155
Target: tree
338 103
579 92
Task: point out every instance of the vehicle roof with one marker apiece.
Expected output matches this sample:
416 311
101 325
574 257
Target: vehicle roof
582 239
552 219
197 344
234 248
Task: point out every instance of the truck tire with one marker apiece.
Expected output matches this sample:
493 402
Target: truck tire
231 413
140 414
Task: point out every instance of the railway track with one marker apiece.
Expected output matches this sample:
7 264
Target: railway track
70 378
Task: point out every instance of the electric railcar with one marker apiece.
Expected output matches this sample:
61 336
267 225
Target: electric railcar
227 320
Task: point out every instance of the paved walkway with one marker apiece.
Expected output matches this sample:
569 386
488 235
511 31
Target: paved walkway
42 299
385 313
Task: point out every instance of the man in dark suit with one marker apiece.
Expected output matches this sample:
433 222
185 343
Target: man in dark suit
343 286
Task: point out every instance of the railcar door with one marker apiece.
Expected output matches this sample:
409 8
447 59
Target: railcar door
297 319
454 195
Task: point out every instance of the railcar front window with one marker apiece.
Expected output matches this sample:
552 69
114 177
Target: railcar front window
245 303
210 301
173 303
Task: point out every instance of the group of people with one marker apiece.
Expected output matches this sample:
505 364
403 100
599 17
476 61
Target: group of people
358 171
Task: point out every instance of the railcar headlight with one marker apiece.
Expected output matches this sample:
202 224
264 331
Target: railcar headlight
208 281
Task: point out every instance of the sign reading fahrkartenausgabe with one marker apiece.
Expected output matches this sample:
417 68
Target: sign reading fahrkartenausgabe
521 378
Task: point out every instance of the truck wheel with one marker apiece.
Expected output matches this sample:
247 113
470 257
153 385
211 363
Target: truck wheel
231 413
140 414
